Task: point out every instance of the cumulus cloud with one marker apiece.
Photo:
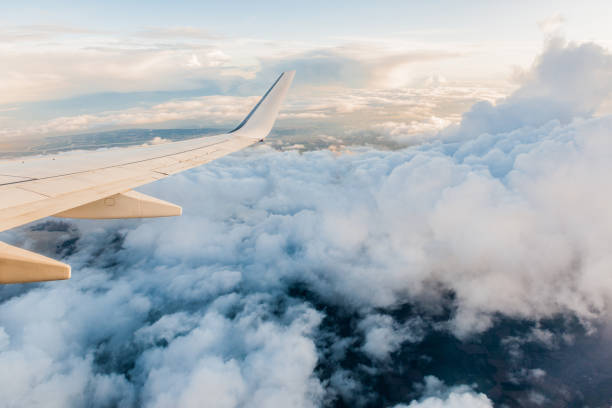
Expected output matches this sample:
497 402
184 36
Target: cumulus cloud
230 301
437 395
567 81
233 362
552 24
395 226
383 335
62 358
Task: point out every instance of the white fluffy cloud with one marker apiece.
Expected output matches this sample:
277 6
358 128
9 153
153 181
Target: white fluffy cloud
383 335
56 353
234 362
567 81
437 395
377 229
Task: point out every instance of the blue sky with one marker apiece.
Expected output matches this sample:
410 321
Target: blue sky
318 20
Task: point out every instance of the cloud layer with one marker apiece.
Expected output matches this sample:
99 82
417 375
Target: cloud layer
243 301
62 80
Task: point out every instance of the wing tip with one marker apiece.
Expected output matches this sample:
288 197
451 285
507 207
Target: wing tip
266 110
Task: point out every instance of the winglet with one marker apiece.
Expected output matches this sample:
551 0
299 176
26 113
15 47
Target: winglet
260 120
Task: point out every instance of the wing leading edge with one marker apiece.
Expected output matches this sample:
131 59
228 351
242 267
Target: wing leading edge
98 184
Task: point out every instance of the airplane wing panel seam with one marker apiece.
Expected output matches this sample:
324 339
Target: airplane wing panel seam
33 191
17 182
115 165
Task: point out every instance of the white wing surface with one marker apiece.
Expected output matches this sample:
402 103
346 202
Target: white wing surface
97 184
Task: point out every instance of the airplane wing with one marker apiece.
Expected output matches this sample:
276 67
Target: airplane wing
98 184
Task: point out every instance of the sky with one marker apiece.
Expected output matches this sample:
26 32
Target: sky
427 225
101 66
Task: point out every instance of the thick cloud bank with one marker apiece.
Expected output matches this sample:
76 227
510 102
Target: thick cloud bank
293 279
567 81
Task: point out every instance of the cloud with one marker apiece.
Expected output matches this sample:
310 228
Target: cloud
437 395
89 80
358 65
552 24
55 63
567 81
73 363
395 226
264 365
384 336
156 140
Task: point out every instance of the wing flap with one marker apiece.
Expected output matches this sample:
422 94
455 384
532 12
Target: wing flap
131 204
65 185
20 266
25 213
